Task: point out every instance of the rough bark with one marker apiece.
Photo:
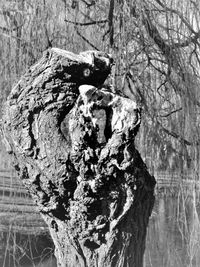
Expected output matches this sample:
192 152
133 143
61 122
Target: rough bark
73 145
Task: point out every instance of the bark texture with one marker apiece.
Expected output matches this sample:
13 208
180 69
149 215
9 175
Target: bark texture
73 145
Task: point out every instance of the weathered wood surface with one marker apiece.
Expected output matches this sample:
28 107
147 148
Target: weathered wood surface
73 146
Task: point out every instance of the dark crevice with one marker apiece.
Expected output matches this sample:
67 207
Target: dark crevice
108 128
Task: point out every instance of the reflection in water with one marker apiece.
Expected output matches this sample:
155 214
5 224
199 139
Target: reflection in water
19 249
51 262
173 238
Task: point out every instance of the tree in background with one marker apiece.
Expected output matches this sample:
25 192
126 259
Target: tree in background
156 48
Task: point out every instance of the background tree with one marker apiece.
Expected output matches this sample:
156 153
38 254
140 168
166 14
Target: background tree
156 46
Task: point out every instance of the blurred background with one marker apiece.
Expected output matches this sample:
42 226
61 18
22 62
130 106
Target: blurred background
156 48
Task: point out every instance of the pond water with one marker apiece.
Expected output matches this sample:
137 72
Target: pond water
173 237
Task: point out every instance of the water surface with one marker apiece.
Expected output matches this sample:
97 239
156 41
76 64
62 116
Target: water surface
173 237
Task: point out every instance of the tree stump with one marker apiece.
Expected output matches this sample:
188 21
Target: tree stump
73 146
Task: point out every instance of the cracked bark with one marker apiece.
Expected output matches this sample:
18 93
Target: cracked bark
73 146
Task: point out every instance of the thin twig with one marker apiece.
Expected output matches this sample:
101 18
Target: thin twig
183 19
87 23
169 114
188 41
178 137
86 40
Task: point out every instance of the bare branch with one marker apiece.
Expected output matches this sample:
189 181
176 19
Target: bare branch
175 11
169 114
155 35
177 136
89 4
110 21
87 23
188 41
86 40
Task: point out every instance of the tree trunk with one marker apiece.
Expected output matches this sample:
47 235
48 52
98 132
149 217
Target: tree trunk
73 145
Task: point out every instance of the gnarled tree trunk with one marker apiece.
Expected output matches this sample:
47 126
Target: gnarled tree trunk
73 145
